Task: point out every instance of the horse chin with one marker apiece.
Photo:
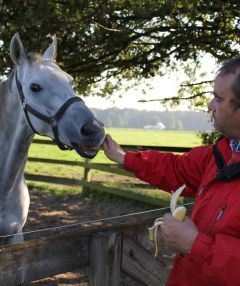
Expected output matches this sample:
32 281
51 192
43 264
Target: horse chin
86 151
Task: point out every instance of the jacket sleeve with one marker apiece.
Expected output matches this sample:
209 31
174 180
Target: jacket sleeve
168 171
219 258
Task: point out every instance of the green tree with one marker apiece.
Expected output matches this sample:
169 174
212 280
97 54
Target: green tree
103 42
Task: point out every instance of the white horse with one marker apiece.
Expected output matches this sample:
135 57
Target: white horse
37 98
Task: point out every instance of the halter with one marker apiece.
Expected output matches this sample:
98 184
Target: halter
51 120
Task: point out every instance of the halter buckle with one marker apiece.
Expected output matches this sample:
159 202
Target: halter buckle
24 103
52 122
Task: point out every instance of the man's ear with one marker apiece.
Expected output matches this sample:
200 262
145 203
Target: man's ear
17 52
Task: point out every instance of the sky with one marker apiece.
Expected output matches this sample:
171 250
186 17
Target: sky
162 87
166 86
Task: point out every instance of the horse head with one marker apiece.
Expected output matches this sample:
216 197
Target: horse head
49 103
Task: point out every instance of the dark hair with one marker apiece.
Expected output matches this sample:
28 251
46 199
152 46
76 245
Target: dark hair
230 66
233 66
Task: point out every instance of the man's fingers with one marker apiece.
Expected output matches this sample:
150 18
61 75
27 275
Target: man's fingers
106 142
108 137
167 217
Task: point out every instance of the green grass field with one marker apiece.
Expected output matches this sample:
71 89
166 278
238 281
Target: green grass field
122 136
151 138
154 137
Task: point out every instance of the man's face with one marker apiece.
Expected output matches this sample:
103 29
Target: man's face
226 117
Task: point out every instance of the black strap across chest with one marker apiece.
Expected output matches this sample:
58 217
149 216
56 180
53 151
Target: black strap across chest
225 173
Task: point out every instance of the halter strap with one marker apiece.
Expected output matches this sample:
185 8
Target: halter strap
51 120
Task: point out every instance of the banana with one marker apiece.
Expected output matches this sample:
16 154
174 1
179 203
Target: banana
178 212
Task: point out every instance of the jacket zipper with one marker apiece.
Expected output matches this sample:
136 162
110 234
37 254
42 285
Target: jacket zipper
206 185
208 228
220 213
201 190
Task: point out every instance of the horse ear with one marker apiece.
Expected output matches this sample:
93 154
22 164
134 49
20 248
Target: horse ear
51 52
17 52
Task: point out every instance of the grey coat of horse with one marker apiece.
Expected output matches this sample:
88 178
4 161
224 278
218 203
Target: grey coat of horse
37 98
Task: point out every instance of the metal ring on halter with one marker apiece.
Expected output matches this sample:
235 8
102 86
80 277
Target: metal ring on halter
52 122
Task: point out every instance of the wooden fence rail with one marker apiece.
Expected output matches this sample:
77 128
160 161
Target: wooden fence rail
87 183
106 246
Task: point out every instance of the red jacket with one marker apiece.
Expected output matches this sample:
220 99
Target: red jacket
215 255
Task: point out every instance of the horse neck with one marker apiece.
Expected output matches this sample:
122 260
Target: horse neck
15 136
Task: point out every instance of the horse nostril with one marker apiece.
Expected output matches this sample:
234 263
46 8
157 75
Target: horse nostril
88 129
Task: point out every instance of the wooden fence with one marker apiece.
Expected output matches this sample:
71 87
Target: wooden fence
88 183
107 247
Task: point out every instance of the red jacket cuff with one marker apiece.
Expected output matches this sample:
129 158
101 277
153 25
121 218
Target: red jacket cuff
128 160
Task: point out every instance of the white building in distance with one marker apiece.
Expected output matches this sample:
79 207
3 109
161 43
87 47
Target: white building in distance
159 126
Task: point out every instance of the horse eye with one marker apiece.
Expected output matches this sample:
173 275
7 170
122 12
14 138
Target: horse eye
35 87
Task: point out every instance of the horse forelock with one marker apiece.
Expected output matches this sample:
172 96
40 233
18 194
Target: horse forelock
34 58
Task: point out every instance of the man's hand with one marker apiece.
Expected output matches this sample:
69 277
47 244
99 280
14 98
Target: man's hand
178 236
112 150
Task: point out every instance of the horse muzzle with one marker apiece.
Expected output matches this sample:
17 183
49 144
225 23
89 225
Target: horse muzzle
87 151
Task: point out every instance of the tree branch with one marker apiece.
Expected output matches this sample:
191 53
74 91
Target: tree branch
197 83
108 29
174 98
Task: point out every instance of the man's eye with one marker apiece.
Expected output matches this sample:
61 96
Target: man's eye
35 87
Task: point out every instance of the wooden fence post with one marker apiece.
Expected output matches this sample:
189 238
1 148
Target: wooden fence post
86 175
105 259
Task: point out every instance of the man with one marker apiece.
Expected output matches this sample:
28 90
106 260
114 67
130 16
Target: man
208 243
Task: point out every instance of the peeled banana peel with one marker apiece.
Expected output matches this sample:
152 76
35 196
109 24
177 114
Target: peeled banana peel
178 212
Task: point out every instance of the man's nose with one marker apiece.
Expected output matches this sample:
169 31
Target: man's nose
211 105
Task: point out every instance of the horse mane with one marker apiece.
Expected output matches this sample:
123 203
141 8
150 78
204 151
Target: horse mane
4 86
